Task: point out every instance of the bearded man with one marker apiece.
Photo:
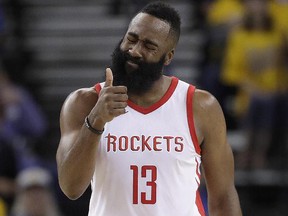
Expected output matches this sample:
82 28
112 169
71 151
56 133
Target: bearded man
140 137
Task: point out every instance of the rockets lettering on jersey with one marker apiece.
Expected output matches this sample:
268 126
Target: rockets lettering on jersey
144 143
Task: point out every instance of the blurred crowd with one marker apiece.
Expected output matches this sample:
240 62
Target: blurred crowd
245 67
25 178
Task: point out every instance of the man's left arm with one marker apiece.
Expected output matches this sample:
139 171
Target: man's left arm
217 157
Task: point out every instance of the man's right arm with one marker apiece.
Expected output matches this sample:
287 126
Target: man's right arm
77 147
76 154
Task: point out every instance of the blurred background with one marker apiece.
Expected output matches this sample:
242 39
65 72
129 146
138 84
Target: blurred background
236 49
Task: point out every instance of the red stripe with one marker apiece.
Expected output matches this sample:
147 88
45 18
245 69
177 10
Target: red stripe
197 169
163 100
190 94
199 204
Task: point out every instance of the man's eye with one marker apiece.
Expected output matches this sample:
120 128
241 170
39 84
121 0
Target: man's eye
131 40
150 47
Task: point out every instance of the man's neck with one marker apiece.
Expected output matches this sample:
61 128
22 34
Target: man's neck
157 91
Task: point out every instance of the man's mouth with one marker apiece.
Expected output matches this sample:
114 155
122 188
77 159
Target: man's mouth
131 66
132 63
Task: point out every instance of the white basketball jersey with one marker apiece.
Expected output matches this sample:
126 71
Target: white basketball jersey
148 160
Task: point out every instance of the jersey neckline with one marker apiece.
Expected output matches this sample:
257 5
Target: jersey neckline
163 100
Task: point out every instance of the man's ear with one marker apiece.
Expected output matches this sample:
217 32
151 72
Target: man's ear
169 57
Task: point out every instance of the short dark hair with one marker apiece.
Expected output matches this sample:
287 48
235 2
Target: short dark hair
166 13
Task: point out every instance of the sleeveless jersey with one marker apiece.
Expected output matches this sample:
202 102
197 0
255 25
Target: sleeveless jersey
148 160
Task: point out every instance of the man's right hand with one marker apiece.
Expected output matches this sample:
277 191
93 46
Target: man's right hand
112 101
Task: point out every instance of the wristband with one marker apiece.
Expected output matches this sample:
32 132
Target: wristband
88 125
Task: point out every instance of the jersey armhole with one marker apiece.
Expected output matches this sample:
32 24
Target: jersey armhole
190 117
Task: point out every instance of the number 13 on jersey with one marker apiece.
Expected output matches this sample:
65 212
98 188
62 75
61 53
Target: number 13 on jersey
148 172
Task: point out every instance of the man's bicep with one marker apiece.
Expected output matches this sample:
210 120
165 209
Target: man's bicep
217 157
69 129
218 166
71 122
70 114
75 108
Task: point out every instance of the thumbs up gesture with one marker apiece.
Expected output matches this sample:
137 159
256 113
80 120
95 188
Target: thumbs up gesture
109 78
112 100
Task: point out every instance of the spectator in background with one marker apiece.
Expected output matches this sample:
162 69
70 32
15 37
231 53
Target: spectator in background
254 64
3 211
279 10
225 13
21 120
221 17
8 174
21 123
34 196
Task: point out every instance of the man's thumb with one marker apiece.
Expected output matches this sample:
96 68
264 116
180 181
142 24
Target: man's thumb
109 78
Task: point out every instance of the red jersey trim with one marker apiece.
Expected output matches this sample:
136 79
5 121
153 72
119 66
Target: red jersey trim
198 201
97 88
146 110
163 100
190 94
199 204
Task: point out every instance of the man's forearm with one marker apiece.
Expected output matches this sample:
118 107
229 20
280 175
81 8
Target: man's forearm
229 205
76 165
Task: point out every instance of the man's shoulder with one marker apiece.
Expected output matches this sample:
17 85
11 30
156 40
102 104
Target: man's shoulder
82 95
84 91
205 100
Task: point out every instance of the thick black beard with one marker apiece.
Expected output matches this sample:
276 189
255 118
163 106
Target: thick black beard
140 80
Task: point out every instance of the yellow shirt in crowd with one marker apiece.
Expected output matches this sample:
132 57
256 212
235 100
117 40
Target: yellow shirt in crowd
253 60
254 57
280 13
224 11
2 208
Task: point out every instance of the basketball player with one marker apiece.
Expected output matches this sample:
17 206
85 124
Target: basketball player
140 137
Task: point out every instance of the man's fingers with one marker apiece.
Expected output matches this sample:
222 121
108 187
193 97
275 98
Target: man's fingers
109 78
118 112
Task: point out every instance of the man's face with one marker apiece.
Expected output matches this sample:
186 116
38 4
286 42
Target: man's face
139 58
138 78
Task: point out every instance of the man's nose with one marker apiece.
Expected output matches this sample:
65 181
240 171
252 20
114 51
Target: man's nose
135 51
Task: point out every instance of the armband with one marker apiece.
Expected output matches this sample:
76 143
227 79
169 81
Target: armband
88 125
